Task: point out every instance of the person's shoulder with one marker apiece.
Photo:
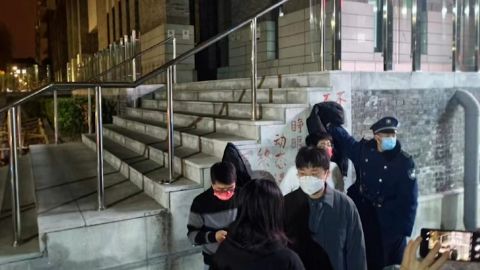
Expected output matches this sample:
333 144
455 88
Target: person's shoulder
293 195
405 155
202 198
286 255
333 166
344 199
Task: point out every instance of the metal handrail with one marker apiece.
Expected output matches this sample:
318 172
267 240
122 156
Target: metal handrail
151 74
169 67
171 38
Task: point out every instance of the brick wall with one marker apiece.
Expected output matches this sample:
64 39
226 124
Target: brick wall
432 130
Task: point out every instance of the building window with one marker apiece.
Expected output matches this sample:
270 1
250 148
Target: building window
423 27
127 11
120 20
108 28
137 16
378 24
114 28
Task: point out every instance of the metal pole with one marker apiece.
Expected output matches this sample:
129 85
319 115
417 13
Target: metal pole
253 30
89 111
99 131
337 32
322 35
455 43
170 124
477 35
55 115
387 34
174 42
19 127
415 38
16 218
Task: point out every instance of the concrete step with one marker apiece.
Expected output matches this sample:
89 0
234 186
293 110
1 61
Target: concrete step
266 111
311 79
132 230
252 130
29 247
209 142
143 172
188 161
302 95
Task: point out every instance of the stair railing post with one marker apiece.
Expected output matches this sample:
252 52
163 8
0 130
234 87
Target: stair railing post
174 43
12 136
99 142
253 32
89 110
55 115
19 129
170 124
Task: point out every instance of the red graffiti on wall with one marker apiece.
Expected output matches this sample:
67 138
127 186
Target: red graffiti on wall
297 125
299 141
263 156
280 161
280 140
340 98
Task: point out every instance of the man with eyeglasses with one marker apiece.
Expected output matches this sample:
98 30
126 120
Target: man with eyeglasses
385 191
213 211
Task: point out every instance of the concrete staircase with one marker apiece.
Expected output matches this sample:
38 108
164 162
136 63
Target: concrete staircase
206 118
144 225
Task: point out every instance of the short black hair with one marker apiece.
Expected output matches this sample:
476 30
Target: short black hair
312 157
223 172
314 138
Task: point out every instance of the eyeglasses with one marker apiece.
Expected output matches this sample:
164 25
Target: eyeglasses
224 190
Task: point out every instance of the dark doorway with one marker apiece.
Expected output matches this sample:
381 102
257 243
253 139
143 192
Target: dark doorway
208 18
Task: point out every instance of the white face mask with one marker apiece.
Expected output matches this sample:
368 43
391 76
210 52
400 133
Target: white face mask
311 184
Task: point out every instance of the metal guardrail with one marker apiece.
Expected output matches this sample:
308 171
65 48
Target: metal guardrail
169 67
133 61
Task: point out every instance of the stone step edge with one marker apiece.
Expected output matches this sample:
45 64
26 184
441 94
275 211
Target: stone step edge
187 160
240 141
165 188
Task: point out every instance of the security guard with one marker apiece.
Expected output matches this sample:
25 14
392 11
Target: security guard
385 191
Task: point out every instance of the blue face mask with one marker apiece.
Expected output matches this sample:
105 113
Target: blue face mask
388 143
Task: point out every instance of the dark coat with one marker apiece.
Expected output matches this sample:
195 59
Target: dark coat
386 180
297 212
323 114
232 155
231 256
385 194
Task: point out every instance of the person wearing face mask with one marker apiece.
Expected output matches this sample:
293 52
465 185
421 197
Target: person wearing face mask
385 191
322 140
213 211
317 212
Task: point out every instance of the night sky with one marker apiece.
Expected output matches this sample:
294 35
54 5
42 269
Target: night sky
19 18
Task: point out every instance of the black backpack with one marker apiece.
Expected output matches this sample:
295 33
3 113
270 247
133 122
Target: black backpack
329 112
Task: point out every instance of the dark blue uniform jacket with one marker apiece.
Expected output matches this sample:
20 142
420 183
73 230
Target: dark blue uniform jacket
386 180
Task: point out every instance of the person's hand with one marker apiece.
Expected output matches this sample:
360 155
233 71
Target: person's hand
220 235
410 261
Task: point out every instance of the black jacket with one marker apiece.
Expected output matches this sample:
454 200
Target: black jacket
230 256
232 155
325 113
297 212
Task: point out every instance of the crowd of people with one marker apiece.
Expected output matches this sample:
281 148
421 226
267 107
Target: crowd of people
311 220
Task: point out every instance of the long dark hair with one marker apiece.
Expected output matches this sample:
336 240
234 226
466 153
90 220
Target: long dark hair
259 222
